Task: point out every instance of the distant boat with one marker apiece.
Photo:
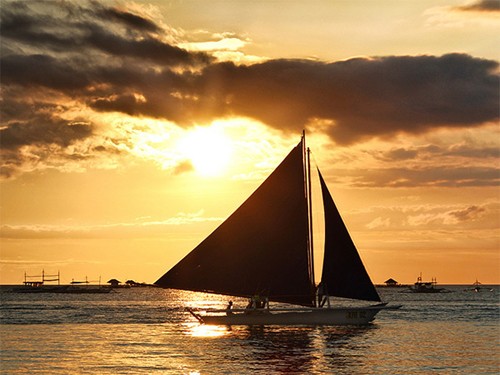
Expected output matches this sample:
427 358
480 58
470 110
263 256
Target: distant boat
86 286
477 288
86 289
426 286
36 283
39 286
264 252
476 284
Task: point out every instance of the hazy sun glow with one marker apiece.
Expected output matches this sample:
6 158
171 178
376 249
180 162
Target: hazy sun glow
208 149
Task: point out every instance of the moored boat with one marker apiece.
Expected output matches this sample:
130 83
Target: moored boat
39 286
426 286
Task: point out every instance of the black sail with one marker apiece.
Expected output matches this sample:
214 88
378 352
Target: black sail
260 249
344 274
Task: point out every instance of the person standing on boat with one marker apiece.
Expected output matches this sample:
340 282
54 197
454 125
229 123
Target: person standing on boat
322 294
265 303
229 307
255 302
250 306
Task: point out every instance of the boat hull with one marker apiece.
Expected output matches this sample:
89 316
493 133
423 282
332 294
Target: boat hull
441 290
313 316
61 289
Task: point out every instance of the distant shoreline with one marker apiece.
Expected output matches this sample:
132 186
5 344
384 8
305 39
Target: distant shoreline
107 285
377 285
440 284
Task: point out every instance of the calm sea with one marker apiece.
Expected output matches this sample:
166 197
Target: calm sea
147 331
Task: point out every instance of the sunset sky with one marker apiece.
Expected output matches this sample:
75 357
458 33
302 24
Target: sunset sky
130 130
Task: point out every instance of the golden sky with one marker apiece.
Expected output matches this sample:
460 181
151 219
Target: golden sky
130 130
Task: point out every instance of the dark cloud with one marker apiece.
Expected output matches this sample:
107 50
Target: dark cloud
144 48
359 99
116 60
43 129
483 6
469 213
474 152
401 154
65 27
433 151
42 70
366 97
130 19
355 99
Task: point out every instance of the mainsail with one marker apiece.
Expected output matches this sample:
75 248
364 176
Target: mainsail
262 248
344 274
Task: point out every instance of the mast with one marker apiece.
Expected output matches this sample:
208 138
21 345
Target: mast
310 246
311 241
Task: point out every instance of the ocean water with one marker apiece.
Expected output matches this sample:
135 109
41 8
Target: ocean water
148 331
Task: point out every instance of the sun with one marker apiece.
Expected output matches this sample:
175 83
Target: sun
208 149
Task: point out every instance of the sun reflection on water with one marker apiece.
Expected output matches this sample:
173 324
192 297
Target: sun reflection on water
202 330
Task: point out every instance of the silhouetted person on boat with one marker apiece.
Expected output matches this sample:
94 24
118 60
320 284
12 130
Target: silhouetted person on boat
322 295
265 303
229 307
253 302
256 303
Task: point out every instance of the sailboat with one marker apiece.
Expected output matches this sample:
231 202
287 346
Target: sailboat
264 251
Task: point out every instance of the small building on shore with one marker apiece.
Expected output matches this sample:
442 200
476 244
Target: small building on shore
391 282
114 283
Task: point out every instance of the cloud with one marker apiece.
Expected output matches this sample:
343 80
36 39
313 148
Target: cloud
465 151
144 48
359 98
130 19
453 217
474 152
356 99
401 154
139 228
446 158
58 74
183 167
481 5
379 222
114 60
447 176
68 28
43 129
469 213
434 217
